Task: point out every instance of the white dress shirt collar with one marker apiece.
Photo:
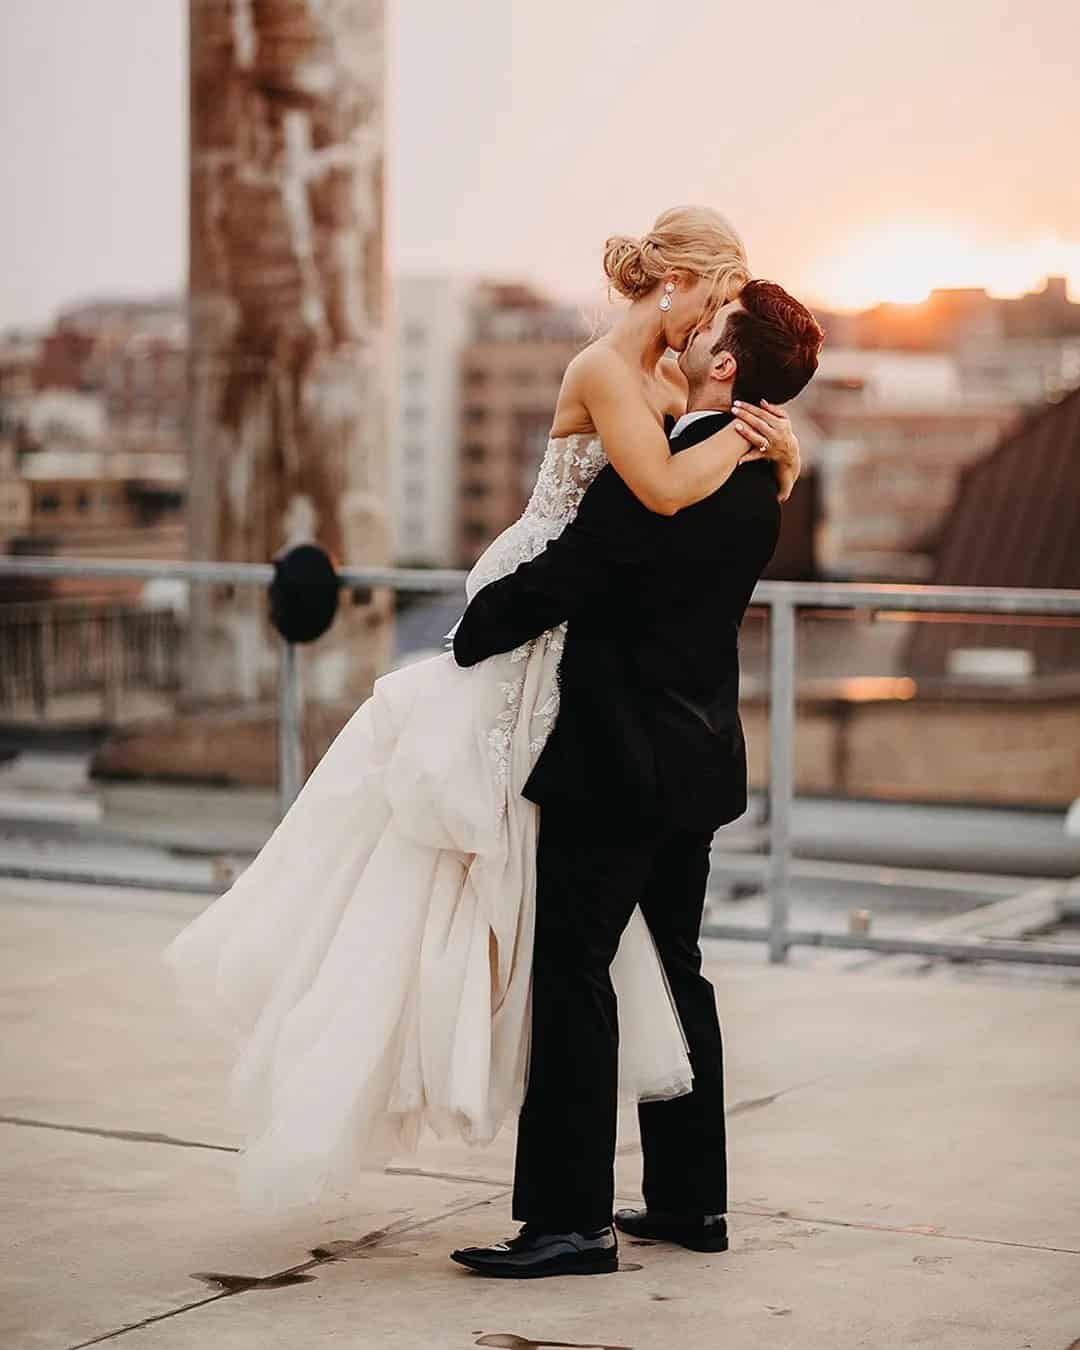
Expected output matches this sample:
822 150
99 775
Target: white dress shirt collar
685 420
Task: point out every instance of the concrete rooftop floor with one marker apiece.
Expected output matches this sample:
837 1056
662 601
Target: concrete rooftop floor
904 1156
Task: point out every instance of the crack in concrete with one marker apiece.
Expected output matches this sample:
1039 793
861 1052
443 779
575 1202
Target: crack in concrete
154 1137
512 1342
910 1230
128 1136
755 1103
292 1274
445 1176
242 1284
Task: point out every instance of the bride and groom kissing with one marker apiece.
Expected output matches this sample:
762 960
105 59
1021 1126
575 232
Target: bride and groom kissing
487 897
645 761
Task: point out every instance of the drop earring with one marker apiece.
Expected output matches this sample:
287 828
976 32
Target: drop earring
665 301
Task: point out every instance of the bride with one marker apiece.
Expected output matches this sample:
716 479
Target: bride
372 965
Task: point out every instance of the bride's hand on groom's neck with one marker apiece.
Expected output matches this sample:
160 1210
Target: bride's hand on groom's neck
768 431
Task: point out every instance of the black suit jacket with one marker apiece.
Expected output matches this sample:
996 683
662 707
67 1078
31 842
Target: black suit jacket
648 728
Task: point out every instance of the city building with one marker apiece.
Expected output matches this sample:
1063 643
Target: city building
19 358
132 356
512 367
950 317
897 429
1029 370
431 320
88 517
93 460
1014 521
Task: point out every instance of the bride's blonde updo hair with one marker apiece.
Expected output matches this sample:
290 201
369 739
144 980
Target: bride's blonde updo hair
693 239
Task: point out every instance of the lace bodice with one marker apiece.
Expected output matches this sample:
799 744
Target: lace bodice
569 465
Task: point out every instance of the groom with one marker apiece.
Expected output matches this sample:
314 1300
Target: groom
645 761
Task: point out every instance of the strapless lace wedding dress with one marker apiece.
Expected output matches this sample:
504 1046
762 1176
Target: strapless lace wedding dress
372 965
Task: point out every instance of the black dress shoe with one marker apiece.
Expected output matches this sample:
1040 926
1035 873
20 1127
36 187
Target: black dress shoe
532 1255
699 1232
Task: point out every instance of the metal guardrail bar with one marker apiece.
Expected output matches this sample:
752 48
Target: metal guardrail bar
783 598
985 949
418 579
919 599
86 876
800 594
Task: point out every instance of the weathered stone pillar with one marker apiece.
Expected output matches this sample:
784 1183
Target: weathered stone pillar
288 439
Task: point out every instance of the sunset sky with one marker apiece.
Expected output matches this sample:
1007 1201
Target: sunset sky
865 151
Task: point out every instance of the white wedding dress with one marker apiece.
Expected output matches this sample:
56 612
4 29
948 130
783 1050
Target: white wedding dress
372 964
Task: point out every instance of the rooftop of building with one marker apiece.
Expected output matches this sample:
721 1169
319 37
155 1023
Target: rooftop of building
901 1145
1014 521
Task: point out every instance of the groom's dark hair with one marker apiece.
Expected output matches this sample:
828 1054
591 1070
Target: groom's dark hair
775 342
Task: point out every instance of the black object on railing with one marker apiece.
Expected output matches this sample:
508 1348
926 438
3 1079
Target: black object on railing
304 593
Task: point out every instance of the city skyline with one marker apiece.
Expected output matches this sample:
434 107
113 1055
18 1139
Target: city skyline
861 156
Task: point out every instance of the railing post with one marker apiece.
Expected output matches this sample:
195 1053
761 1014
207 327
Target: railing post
113 662
290 727
781 769
42 635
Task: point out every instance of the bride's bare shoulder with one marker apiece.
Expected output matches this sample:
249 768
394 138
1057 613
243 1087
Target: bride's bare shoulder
596 370
599 367
593 360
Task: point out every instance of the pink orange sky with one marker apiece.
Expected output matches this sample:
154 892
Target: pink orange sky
866 152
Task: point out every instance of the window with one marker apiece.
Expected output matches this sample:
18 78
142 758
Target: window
475 415
414 415
476 491
414 492
475 454
49 502
414 454
414 335
475 378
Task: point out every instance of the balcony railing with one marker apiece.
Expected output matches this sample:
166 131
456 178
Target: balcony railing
53 649
783 601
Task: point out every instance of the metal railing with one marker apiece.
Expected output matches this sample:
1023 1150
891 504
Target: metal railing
783 600
71 647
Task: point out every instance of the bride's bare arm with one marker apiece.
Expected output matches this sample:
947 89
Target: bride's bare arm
637 447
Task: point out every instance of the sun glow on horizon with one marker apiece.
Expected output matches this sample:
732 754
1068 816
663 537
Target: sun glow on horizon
902 261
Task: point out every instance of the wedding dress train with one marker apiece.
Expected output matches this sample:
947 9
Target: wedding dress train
372 965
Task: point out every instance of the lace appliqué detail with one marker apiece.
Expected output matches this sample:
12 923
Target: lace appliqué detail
500 737
548 711
569 467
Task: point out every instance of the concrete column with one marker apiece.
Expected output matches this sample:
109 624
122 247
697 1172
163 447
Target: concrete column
288 435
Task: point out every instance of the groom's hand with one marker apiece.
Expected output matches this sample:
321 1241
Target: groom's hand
768 431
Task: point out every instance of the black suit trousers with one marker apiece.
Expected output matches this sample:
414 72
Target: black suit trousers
588 881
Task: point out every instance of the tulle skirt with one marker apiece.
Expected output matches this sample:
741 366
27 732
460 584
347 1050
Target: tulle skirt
372 965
